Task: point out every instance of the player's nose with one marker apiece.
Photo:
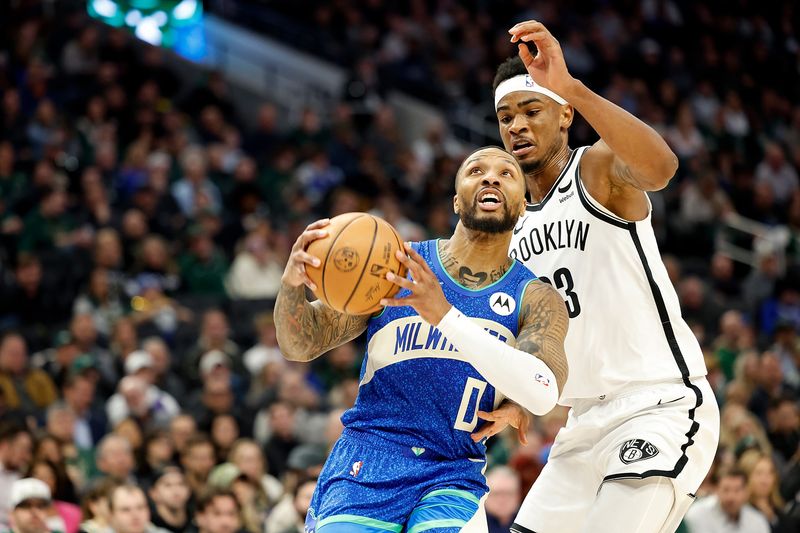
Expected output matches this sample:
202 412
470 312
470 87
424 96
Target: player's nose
518 124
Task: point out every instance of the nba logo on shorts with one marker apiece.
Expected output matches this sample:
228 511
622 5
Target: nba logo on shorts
356 468
636 450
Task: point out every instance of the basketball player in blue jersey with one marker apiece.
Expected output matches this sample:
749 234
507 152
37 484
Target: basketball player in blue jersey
468 327
644 424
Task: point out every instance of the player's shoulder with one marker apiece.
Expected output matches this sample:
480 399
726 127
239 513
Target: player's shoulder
538 293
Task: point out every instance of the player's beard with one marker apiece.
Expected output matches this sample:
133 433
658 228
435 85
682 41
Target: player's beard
471 220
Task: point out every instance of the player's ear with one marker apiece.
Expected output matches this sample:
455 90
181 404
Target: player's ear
455 204
566 114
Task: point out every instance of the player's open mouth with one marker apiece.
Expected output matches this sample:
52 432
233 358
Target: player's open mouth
490 199
522 148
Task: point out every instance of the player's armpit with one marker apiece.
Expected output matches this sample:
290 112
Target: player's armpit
543 327
306 330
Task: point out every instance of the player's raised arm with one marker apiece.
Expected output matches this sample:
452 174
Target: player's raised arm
306 329
630 153
531 374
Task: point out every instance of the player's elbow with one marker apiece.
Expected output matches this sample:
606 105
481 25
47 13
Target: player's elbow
544 403
544 394
663 171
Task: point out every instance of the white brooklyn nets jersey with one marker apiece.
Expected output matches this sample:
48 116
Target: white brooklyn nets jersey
625 321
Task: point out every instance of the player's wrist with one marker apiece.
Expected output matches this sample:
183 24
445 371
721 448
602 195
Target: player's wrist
445 310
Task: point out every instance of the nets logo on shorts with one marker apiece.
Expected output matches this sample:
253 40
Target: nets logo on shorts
636 450
502 304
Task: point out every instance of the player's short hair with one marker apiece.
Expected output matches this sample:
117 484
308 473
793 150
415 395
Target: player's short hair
209 495
513 66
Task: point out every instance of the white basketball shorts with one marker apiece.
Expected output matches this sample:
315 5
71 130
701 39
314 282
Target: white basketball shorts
668 429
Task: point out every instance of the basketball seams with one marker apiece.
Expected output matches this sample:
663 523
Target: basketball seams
366 261
328 254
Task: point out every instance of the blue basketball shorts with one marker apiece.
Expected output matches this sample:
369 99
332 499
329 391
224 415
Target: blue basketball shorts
370 485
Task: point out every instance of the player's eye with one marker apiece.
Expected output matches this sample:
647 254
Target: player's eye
505 119
532 112
506 173
475 170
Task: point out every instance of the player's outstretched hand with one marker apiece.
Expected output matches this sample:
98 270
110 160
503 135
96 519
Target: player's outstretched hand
548 67
427 297
507 414
294 274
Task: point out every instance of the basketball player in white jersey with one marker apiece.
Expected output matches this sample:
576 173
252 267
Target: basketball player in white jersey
644 423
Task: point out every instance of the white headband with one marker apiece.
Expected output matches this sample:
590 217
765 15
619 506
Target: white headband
523 82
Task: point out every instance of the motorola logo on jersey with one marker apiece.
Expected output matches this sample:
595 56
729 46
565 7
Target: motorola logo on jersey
637 450
502 304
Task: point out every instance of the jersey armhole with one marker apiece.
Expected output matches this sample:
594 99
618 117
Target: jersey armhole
598 211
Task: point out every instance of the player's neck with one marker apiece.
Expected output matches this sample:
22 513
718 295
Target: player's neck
541 179
475 259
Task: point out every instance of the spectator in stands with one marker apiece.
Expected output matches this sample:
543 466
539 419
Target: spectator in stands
84 335
247 456
267 350
30 502
771 385
165 378
727 510
63 515
282 440
138 399
776 172
16 449
94 507
197 459
194 191
157 454
214 335
301 501
503 501
100 301
170 496
181 430
90 420
204 266
256 271
218 512
129 510
115 458
763 489
28 389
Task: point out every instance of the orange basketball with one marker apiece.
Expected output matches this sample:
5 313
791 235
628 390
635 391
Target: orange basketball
355 258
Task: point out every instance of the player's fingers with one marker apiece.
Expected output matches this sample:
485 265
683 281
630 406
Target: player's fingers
522 436
312 235
401 281
308 283
486 415
526 27
305 257
395 302
413 266
318 224
525 54
485 432
418 259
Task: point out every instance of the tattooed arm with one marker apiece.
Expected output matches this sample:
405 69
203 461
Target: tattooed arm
543 328
305 329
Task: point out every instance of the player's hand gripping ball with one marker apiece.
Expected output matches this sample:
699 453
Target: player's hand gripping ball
354 254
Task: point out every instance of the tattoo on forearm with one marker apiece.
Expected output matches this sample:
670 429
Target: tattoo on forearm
306 330
544 327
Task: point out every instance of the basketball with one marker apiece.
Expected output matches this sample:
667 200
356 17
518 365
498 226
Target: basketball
355 257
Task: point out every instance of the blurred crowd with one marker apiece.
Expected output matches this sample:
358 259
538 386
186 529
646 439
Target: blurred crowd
145 223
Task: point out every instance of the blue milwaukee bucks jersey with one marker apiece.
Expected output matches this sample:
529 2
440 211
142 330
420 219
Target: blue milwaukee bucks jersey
417 390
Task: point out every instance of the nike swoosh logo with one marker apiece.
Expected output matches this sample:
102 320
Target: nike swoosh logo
565 188
671 401
517 229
